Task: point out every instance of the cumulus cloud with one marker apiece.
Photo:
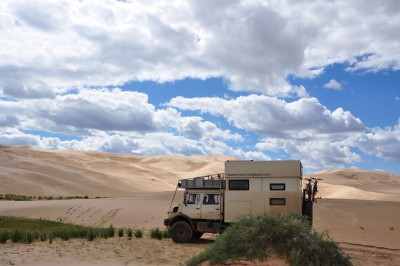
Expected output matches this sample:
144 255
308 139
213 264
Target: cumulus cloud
265 115
8 120
102 109
16 137
110 119
57 57
253 45
315 154
382 142
333 84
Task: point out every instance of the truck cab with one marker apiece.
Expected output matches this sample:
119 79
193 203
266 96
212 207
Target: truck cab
202 204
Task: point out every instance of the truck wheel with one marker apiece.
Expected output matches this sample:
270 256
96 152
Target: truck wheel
181 232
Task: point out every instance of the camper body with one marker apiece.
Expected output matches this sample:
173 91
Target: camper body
211 203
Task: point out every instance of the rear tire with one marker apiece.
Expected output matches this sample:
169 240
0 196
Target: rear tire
181 232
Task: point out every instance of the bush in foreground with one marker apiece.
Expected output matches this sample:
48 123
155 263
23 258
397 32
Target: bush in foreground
289 235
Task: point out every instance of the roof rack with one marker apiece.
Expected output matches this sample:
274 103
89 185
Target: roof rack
209 181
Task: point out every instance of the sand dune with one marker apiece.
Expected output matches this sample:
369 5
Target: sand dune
360 209
358 184
25 170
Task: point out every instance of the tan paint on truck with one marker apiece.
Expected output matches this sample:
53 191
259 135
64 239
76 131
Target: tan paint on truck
260 198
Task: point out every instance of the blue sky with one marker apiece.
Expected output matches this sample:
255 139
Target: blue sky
311 80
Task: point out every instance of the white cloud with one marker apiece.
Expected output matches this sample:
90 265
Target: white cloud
15 137
111 120
49 48
333 84
253 44
102 109
382 142
315 154
264 115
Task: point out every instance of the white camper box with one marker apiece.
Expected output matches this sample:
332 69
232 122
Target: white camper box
257 188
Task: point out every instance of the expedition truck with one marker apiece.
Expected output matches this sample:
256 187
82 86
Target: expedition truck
211 203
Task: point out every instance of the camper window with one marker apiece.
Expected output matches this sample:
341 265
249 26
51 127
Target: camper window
277 186
277 201
238 184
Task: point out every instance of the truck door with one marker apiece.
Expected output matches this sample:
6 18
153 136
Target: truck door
192 204
211 206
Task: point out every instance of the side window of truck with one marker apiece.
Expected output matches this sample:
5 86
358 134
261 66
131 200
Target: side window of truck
192 198
239 184
211 199
277 186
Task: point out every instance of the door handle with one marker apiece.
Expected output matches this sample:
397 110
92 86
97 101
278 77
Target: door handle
197 208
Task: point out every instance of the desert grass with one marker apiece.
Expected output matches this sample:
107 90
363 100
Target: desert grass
28 230
158 234
129 232
138 233
13 197
288 235
120 232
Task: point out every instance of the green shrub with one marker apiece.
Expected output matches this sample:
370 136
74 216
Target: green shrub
64 234
28 230
28 237
16 235
289 235
4 236
43 236
111 231
129 232
138 233
120 232
91 234
166 233
156 233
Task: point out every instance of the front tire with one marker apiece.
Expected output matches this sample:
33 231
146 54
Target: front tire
181 232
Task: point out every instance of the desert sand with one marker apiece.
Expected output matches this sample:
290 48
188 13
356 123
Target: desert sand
360 209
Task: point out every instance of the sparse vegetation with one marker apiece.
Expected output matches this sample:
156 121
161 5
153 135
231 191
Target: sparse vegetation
13 197
129 232
289 235
28 230
166 233
110 231
120 232
138 233
156 233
